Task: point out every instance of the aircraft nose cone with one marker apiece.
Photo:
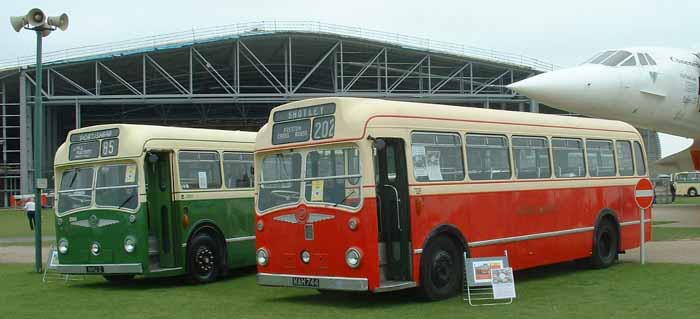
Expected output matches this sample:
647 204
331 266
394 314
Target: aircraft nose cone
583 89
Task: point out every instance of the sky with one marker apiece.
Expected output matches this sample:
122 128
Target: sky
562 32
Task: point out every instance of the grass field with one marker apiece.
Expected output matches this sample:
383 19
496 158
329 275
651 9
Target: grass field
562 291
687 200
15 224
675 233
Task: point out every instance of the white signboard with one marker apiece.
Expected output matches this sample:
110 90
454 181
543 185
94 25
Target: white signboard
53 261
503 283
202 180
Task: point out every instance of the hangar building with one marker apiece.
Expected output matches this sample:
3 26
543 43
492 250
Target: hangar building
229 77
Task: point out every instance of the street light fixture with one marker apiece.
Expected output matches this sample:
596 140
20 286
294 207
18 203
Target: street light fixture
37 21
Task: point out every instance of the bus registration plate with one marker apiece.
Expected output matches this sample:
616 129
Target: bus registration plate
94 269
305 282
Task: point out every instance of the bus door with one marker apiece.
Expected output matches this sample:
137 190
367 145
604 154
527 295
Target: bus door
393 209
160 216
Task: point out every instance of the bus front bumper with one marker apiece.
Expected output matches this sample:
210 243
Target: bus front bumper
316 282
100 269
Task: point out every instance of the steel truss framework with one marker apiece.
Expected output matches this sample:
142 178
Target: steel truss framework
232 83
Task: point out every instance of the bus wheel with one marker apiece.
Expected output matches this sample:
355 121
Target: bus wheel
441 269
605 246
119 279
692 192
203 259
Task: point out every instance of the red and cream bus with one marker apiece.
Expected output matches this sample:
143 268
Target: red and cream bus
375 195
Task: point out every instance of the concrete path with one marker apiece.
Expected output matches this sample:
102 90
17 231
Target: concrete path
677 252
15 240
684 216
20 254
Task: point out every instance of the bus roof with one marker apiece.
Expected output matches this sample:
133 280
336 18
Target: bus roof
354 115
133 138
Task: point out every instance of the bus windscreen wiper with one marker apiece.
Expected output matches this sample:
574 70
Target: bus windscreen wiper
344 199
73 179
126 201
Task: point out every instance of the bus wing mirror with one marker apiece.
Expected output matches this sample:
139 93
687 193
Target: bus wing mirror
379 144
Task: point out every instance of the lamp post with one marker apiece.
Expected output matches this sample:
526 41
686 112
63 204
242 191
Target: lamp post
37 21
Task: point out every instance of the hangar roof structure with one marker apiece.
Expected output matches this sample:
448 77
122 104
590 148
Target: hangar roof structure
229 77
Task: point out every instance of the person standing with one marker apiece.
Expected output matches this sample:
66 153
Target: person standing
30 208
673 191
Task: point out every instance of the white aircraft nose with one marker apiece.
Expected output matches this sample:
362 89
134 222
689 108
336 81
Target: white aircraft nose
583 89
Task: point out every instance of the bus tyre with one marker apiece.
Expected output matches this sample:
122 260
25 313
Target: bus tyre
441 269
119 279
605 245
692 192
204 262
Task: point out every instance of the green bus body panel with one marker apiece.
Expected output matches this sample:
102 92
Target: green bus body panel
234 217
110 237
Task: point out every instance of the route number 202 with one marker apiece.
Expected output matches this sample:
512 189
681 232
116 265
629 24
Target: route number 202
324 127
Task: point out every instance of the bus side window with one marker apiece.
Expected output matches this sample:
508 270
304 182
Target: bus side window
488 157
568 157
437 157
639 159
624 158
531 155
238 170
601 158
199 170
681 178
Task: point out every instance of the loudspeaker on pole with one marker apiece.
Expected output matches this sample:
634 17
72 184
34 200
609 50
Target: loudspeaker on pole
18 22
36 17
60 22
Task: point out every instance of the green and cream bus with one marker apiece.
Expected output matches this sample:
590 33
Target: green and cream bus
154 201
687 183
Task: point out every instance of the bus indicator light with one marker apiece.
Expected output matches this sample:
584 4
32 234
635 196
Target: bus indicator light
185 221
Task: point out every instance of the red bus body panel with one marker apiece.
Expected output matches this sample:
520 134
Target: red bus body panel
479 216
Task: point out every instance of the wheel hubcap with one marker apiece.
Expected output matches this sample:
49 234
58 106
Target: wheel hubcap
442 269
204 260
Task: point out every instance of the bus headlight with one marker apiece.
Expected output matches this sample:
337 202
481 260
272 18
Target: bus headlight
63 246
262 256
95 248
353 257
129 244
305 256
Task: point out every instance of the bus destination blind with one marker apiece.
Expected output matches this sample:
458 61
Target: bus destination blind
291 132
79 151
304 112
96 135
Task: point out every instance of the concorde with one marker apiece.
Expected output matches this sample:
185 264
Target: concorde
654 88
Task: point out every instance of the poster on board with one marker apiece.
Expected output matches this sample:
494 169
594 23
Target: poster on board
503 283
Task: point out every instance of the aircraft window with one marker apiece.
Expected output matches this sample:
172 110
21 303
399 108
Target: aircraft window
651 61
629 62
616 58
599 58
642 59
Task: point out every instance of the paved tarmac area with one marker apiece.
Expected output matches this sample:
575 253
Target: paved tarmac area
683 215
20 254
677 252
